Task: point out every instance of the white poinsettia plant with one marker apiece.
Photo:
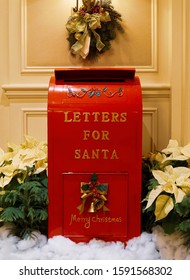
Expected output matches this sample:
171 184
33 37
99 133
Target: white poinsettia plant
174 181
18 158
23 187
168 186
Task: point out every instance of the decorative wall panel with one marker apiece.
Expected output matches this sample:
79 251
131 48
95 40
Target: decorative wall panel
35 122
44 43
150 130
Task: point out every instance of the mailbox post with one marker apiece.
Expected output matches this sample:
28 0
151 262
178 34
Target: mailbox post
94 154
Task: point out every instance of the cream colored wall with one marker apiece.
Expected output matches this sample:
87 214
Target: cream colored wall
46 34
180 69
33 43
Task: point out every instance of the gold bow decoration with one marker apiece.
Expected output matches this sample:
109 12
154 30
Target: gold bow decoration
95 193
82 26
92 27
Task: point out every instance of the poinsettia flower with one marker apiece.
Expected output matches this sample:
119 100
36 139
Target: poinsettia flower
175 152
172 148
158 157
5 180
18 161
31 153
1 156
40 166
186 150
7 170
174 181
6 175
30 142
5 157
12 147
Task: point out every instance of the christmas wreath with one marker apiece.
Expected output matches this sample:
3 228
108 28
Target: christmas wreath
91 27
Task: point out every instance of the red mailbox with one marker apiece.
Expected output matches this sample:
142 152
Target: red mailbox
94 154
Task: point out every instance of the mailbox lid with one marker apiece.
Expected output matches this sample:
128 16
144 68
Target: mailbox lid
101 85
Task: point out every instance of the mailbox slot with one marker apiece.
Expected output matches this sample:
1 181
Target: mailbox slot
95 75
95 81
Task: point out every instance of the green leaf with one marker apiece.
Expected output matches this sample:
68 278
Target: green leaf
11 214
13 185
85 187
184 226
44 181
183 208
152 183
26 232
41 214
102 187
25 204
12 198
31 214
170 223
9 199
30 185
178 163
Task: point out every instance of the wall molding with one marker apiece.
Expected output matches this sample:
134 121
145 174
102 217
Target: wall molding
28 91
152 112
31 70
20 91
28 113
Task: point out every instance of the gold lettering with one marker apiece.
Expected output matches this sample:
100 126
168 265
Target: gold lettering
85 155
123 117
75 219
93 219
95 135
114 155
105 152
96 115
76 116
105 134
105 117
66 117
115 117
107 219
87 222
77 154
86 134
95 154
86 116
70 116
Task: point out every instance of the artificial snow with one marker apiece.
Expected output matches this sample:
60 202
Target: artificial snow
155 246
